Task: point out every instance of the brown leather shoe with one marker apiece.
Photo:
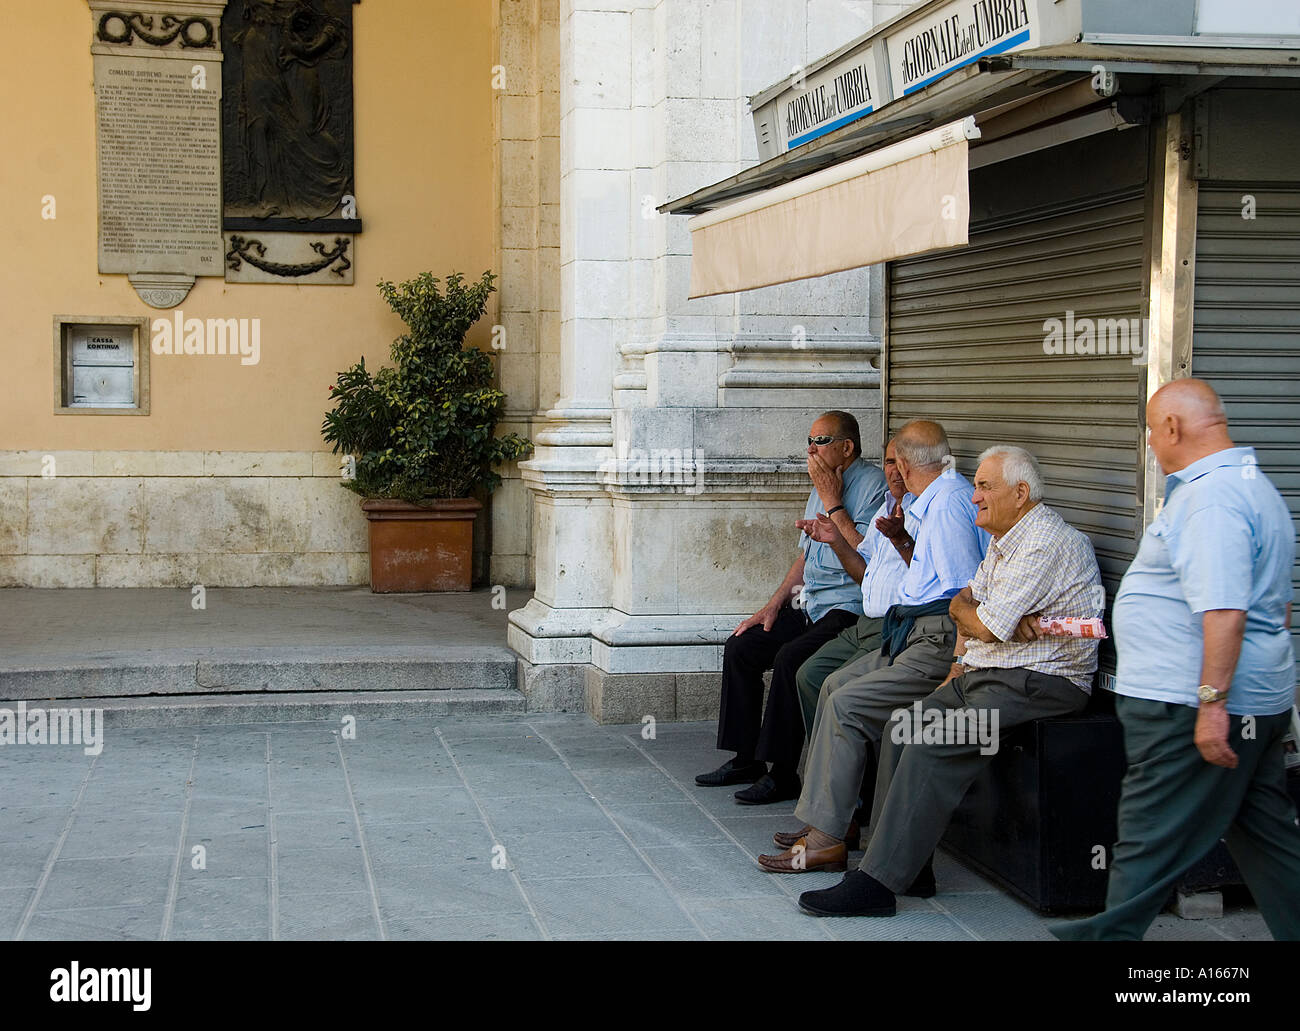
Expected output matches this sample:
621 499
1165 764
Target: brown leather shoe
801 859
787 839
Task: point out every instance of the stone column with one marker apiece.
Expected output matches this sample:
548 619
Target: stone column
527 103
571 526
670 474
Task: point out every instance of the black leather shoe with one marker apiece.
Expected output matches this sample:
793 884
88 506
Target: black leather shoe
859 894
731 772
768 790
923 887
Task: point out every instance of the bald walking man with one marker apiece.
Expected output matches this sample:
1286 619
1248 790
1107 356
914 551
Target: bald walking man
1206 678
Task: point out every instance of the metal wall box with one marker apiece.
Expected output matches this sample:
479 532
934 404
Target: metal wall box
101 365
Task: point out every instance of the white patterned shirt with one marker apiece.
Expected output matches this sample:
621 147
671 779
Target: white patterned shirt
882 583
1041 566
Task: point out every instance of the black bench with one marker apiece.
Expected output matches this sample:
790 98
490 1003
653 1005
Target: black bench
1041 820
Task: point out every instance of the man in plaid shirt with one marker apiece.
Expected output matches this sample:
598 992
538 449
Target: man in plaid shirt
1010 673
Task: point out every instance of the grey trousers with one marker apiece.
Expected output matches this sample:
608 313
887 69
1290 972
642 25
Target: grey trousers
849 645
1174 806
852 710
923 774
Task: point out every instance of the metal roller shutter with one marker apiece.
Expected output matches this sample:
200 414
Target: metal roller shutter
966 349
1246 335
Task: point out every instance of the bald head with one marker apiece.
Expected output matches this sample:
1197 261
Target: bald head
921 443
1192 400
1186 422
920 448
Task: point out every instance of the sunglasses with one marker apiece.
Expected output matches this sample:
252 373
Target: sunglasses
823 439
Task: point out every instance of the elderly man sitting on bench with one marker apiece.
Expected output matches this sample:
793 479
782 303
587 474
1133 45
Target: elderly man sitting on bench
1012 671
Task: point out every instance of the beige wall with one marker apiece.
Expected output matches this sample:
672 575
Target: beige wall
425 191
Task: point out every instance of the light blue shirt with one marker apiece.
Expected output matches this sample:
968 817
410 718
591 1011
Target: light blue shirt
826 585
949 546
1223 540
883 581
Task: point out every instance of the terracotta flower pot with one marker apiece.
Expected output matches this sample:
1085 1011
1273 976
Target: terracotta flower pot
421 548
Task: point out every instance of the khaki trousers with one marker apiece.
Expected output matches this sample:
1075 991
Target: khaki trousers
855 704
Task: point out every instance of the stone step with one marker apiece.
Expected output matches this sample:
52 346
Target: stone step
287 707
204 671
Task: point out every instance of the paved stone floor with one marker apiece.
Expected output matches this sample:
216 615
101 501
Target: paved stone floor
294 831
60 626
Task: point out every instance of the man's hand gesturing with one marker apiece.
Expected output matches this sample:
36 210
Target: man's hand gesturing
891 526
822 529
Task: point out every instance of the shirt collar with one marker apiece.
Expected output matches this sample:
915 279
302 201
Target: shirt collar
941 486
1009 541
1229 456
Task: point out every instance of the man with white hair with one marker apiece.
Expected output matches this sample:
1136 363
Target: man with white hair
1009 673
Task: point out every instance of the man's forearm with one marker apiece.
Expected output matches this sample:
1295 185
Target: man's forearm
853 562
962 609
1223 630
848 529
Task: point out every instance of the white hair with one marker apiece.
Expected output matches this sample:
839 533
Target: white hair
918 454
1018 466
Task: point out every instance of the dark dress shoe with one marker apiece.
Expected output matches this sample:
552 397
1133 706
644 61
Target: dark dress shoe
787 839
859 894
732 772
923 887
768 790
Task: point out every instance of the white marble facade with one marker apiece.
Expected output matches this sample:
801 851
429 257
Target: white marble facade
669 467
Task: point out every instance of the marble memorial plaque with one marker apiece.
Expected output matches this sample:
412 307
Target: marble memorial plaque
159 167
158 128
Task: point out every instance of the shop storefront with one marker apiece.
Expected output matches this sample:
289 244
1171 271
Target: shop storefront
1068 205
1129 214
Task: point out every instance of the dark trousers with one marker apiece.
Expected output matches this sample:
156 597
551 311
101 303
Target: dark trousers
921 781
1174 807
776 734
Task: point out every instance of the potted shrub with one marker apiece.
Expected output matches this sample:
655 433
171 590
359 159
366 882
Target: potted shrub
421 434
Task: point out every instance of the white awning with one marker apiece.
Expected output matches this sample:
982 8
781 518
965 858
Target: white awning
903 199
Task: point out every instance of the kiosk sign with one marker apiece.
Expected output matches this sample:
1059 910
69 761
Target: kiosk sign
833 97
956 35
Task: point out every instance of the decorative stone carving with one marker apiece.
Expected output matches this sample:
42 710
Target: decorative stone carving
289 257
122 28
287 114
159 290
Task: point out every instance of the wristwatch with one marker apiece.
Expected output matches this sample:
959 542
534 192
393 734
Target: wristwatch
1208 694
837 508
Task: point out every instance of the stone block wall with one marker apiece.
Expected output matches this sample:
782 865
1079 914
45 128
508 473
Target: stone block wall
178 518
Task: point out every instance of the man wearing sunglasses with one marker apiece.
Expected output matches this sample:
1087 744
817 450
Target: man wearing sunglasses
814 603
